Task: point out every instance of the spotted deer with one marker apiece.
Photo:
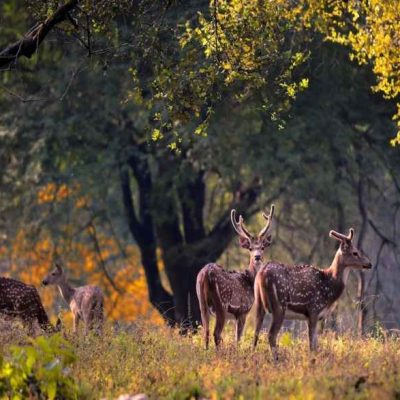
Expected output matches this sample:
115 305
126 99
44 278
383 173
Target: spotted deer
19 300
303 289
231 292
85 302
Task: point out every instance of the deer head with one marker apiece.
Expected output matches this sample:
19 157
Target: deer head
348 255
255 244
55 276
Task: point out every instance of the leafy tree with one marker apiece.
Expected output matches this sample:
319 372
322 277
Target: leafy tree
166 182
370 29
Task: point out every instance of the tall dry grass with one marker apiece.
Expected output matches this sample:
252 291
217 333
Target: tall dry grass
158 361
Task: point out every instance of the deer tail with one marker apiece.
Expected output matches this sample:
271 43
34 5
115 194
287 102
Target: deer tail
203 291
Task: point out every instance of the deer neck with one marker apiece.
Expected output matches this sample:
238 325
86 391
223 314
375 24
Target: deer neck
252 270
66 290
336 270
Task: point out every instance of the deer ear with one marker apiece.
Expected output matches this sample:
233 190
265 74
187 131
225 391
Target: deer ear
58 266
244 242
344 246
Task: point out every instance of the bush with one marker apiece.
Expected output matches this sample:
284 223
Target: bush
40 370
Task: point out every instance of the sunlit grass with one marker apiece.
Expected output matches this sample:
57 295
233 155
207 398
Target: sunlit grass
161 363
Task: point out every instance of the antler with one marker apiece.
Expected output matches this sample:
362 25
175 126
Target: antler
340 236
269 219
239 226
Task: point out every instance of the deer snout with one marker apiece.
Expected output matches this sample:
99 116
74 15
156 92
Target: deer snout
257 257
368 266
44 282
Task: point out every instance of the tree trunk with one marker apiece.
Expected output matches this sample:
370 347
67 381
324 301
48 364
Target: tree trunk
361 287
363 310
144 235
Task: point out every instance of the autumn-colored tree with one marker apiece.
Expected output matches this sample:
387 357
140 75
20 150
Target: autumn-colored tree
88 256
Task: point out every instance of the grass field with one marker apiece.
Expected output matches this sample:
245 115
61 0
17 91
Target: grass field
159 362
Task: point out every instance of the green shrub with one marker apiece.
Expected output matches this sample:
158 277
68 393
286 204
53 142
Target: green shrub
39 370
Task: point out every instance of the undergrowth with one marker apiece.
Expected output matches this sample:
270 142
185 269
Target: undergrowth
164 365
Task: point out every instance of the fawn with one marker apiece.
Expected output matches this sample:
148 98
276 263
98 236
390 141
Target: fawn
85 302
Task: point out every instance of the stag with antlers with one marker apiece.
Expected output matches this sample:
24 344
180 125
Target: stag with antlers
303 289
231 292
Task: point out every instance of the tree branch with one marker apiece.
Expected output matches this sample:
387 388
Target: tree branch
93 234
31 41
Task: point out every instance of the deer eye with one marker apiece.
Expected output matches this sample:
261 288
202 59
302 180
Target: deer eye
53 273
355 254
250 248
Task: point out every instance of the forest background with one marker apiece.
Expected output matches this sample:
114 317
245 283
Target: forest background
130 129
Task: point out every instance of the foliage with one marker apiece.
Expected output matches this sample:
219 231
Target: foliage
41 370
370 28
235 50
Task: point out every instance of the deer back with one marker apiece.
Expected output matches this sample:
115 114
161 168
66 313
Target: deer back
87 297
301 288
18 299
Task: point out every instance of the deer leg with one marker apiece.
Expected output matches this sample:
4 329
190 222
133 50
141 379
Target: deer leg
219 326
240 322
312 332
75 322
99 319
88 322
278 316
205 320
28 324
260 314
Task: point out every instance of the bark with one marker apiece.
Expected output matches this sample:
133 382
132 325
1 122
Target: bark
361 287
192 197
143 233
28 45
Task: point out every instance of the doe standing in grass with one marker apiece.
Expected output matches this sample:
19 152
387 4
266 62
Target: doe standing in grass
86 302
303 289
230 292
